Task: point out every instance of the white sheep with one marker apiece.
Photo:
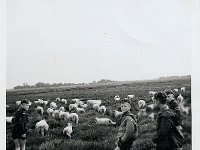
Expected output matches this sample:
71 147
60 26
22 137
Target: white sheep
56 114
61 108
84 105
180 99
7 106
185 109
80 110
72 106
117 98
102 109
131 96
64 115
95 107
40 109
64 101
183 89
74 117
117 114
175 90
45 102
53 105
9 119
68 130
50 111
141 104
75 100
58 99
152 93
104 121
42 127
92 102
80 103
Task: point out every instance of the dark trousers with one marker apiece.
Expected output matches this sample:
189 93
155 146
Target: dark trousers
126 145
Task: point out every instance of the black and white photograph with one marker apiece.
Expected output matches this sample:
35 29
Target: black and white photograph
101 75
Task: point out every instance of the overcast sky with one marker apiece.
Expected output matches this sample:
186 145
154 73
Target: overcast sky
84 40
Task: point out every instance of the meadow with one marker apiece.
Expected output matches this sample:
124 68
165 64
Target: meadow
87 134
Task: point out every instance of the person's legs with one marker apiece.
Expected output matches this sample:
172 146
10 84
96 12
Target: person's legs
22 144
17 145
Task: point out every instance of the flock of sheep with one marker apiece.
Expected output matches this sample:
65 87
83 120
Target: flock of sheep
70 113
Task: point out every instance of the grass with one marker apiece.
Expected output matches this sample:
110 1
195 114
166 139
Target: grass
87 134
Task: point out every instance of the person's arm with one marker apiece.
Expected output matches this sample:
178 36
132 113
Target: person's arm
23 121
130 129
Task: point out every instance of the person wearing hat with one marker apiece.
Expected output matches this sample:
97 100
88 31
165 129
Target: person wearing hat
172 103
20 121
167 136
128 129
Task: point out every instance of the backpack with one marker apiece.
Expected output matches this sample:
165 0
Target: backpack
135 125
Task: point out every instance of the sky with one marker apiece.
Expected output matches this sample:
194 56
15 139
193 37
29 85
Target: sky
82 41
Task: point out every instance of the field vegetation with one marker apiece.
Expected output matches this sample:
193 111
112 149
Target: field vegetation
87 134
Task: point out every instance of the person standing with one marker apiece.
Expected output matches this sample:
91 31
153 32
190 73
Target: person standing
20 121
167 136
128 129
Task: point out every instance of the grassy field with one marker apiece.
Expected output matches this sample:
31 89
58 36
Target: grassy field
87 134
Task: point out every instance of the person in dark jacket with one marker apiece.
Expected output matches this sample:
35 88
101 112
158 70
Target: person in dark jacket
165 138
20 121
173 104
128 130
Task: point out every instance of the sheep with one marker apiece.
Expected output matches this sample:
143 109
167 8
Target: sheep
67 131
40 101
56 114
64 101
9 119
95 107
131 96
53 105
42 127
180 99
104 121
117 98
80 103
40 109
74 117
184 109
37 102
175 90
50 111
45 102
76 100
72 106
80 110
117 114
7 106
58 99
183 89
152 93
102 109
141 104
61 108
64 115
84 105
18 102
92 102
